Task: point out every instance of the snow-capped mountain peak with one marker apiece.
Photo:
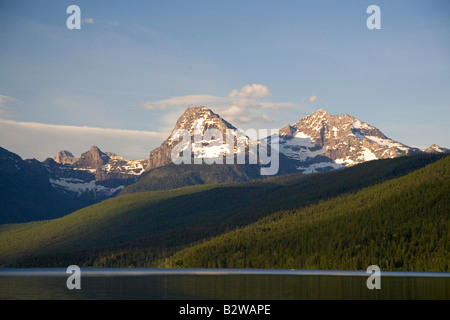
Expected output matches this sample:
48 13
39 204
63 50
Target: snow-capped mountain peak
199 119
95 172
198 122
317 142
434 148
321 141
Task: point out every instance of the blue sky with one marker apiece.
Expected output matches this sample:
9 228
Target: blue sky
135 66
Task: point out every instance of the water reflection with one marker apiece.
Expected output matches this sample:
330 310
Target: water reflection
161 284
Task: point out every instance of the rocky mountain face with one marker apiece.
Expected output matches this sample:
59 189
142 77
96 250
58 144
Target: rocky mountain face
65 157
197 121
105 166
322 142
436 149
94 173
213 151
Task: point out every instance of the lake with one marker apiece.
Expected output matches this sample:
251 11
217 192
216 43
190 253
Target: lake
220 284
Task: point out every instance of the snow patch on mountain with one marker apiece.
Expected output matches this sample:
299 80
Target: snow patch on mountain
388 143
80 187
320 166
367 155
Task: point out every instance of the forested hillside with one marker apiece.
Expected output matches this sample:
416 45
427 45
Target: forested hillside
401 224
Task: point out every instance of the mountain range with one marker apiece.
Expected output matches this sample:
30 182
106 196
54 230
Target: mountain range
317 142
34 190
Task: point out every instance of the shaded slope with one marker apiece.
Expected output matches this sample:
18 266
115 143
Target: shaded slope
173 176
26 193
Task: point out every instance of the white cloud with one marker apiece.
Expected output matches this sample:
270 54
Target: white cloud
184 102
266 118
40 141
256 91
5 99
246 104
247 96
312 99
235 114
231 111
240 106
88 20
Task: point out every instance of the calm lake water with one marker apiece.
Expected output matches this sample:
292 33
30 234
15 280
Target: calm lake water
220 284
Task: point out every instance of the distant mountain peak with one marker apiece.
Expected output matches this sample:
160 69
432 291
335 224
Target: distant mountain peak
95 149
196 120
316 119
434 148
321 141
8 155
200 111
94 158
200 119
65 157
319 112
64 154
